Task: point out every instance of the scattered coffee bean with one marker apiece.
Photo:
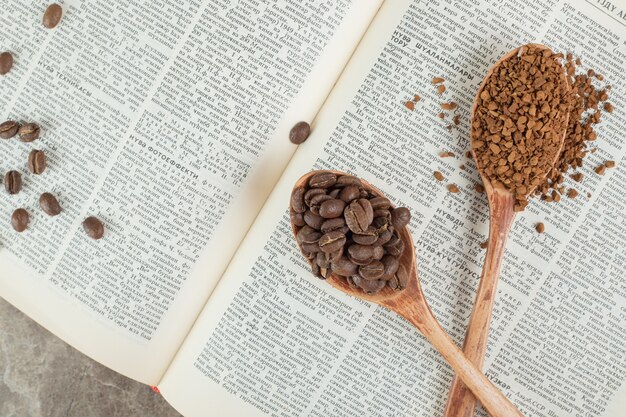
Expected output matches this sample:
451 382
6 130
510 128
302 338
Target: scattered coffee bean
600 169
577 176
6 62
456 120
441 115
8 129
94 227
52 16
572 193
19 220
438 176
29 132
49 204
608 107
449 106
483 245
479 188
441 89
438 80
37 162
299 133
453 188
540 227
344 230
409 105
13 182
416 98
446 154
609 164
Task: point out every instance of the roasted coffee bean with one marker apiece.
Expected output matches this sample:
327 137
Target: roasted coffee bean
308 235
373 270
331 242
359 215
9 129
52 16
343 266
312 193
346 180
19 220
317 200
368 237
6 63
13 182
323 260
331 209
297 200
49 204
380 203
93 227
335 193
378 253
37 162
369 287
313 219
351 283
334 224
349 193
317 271
313 247
400 217
297 218
399 280
29 132
391 264
361 253
395 246
383 238
323 180
299 133
384 213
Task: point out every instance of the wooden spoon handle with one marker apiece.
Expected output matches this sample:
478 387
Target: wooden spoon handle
492 399
461 402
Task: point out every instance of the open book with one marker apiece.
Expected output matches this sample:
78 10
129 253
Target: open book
170 122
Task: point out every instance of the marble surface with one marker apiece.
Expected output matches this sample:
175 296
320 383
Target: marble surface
41 376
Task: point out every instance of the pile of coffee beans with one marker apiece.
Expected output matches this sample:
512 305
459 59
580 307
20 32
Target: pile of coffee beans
519 121
346 230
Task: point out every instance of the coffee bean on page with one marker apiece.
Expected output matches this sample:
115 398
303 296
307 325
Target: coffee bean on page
349 193
344 267
308 196
373 270
323 179
9 129
49 204
296 218
37 162
93 227
299 133
297 200
19 220
13 182
331 209
331 242
52 16
400 217
313 219
29 132
6 62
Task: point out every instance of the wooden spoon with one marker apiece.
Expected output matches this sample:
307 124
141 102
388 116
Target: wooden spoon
461 402
411 304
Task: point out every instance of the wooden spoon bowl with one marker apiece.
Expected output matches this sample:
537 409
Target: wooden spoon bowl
411 304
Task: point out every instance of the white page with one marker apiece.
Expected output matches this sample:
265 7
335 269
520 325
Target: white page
169 123
275 341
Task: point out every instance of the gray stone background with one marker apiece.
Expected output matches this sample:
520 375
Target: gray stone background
41 376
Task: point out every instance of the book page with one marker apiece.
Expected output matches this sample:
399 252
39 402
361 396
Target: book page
170 123
276 341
